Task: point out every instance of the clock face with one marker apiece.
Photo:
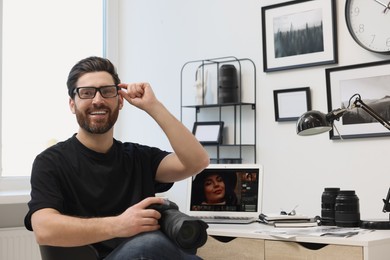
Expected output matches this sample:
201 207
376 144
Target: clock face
368 22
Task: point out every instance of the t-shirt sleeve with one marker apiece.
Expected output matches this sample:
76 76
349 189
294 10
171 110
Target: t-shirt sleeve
158 155
45 191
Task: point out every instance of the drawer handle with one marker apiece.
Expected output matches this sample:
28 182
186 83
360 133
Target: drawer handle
312 246
223 239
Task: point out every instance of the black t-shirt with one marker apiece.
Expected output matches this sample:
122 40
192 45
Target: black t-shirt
77 181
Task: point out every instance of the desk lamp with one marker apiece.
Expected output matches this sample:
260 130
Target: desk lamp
315 122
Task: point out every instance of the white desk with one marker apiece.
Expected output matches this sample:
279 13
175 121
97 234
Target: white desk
258 241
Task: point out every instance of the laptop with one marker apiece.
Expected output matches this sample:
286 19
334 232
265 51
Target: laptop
226 193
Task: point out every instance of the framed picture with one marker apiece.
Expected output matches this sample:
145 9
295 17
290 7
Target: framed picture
299 34
290 104
371 82
208 133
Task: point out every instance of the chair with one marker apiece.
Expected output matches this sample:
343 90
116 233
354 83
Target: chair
68 253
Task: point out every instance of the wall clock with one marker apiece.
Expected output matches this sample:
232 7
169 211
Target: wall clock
368 22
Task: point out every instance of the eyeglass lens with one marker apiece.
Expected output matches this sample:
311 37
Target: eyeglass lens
90 92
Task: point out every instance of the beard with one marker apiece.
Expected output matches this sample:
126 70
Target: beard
97 126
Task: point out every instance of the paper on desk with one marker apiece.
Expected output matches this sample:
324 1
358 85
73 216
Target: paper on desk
280 233
314 231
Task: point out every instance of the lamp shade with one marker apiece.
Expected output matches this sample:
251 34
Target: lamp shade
313 122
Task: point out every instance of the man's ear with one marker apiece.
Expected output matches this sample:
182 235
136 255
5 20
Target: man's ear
120 102
71 105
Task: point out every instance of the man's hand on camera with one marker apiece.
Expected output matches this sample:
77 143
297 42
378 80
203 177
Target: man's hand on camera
138 218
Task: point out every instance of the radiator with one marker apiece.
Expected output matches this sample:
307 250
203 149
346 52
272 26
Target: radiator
18 244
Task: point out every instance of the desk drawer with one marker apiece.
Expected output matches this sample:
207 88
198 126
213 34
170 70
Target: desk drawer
237 248
276 250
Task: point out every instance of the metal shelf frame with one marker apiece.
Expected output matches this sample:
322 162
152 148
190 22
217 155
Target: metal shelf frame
237 107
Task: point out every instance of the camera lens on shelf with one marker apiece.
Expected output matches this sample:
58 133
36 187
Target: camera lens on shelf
328 201
347 211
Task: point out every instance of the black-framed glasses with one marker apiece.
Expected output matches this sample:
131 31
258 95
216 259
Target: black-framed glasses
90 92
291 213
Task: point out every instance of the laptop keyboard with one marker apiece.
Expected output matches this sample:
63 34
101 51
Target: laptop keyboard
227 219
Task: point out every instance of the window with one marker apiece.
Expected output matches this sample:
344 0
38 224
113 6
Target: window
41 41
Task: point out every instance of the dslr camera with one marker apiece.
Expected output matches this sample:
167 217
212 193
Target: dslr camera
189 233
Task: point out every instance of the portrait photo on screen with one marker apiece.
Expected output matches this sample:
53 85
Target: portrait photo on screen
227 190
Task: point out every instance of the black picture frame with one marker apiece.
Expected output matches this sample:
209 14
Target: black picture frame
290 104
371 81
290 42
208 133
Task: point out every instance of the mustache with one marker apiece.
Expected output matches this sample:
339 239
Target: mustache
98 107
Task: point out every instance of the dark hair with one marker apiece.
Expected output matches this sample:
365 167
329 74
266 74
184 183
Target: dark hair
90 64
230 180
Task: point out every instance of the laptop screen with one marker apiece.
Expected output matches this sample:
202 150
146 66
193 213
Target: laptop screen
226 190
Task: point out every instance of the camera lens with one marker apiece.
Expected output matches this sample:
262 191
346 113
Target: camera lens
347 212
188 234
328 201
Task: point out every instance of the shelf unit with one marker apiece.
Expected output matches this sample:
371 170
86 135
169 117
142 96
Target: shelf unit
239 135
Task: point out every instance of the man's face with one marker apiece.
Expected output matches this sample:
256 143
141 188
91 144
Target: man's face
97 115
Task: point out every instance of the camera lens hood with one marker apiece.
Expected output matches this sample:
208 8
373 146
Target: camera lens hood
189 233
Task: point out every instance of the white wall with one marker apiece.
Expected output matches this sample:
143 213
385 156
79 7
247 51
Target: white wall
155 39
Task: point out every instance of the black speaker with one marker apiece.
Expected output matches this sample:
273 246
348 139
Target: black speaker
228 90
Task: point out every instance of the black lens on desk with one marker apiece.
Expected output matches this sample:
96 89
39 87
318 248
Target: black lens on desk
328 201
347 210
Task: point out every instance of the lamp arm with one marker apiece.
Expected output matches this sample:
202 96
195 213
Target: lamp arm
386 207
335 114
359 103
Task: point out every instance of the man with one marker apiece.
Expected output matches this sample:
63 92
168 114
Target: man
93 189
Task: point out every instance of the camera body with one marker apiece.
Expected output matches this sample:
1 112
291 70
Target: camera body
162 207
189 233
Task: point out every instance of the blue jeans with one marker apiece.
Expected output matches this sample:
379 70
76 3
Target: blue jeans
150 245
